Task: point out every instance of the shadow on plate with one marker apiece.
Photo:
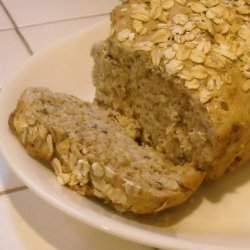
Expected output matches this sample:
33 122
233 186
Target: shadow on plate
213 192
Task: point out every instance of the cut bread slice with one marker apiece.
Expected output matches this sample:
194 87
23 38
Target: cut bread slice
95 152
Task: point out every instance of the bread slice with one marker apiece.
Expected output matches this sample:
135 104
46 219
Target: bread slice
95 152
181 69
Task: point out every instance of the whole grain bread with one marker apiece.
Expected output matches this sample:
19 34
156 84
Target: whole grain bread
182 70
96 153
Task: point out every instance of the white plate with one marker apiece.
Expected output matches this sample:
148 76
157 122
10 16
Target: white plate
218 215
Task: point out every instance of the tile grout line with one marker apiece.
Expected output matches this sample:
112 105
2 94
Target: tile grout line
13 190
20 188
6 29
17 29
62 20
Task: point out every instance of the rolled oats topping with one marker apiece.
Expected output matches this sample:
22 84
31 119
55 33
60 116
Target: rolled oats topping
169 53
63 178
182 2
244 32
137 25
204 46
155 3
224 50
180 19
214 82
193 84
219 21
131 188
186 75
117 196
50 144
20 123
160 36
131 36
199 72
210 14
156 54
167 4
216 61
155 13
223 28
139 12
174 66
178 30
205 96
123 35
209 35
145 46
97 169
84 167
189 26
163 25
182 52
124 9
210 3
218 11
219 38
197 7
109 172
189 36
179 38
56 164
197 56
112 32
229 15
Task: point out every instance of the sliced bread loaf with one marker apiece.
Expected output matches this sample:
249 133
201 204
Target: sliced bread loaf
181 69
95 152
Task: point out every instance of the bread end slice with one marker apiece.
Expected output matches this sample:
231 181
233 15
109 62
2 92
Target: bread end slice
95 152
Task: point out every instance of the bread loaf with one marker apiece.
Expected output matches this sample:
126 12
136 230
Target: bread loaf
172 106
182 70
95 152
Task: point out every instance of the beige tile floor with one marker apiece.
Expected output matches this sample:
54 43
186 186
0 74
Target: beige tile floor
13 54
55 31
5 23
27 222
44 11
